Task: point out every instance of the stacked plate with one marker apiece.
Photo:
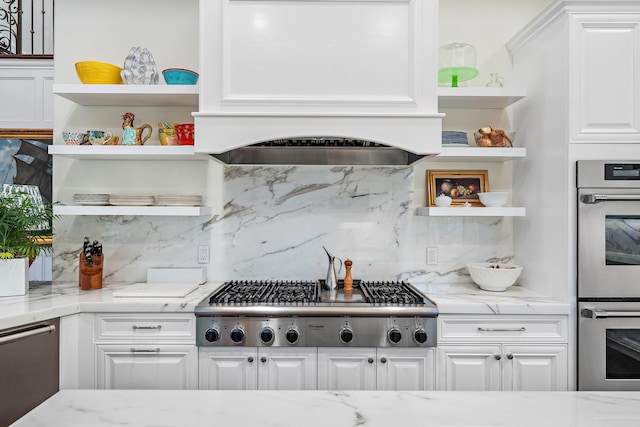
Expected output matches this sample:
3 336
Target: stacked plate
122 200
91 199
178 200
454 138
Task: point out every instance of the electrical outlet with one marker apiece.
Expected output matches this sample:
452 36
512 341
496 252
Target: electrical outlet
432 256
203 254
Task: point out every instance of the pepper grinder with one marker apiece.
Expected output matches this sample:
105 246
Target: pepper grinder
348 280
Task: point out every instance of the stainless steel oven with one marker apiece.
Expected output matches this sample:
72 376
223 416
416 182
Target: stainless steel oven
608 275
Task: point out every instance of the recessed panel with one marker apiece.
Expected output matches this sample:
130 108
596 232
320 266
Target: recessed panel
320 49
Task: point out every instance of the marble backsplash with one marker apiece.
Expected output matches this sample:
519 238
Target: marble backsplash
276 220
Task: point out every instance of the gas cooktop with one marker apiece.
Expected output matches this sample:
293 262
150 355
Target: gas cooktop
302 313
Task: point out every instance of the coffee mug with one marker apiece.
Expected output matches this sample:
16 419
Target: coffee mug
99 137
74 138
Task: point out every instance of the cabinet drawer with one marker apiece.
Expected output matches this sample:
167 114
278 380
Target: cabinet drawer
145 328
501 329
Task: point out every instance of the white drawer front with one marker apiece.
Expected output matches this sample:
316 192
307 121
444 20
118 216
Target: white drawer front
150 328
501 329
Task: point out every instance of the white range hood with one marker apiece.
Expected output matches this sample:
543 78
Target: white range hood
300 73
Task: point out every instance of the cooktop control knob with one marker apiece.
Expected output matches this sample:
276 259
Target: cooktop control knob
267 335
212 335
292 335
237 335
420 336
394 335
346 335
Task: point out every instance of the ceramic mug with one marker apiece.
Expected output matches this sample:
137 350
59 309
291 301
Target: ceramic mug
99 137
74 138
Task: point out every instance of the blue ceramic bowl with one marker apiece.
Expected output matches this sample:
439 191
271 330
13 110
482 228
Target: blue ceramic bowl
180 76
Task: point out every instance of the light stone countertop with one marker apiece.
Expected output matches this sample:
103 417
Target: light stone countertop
46 301
467 298
176 408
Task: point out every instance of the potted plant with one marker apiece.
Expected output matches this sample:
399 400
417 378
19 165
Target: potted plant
24 225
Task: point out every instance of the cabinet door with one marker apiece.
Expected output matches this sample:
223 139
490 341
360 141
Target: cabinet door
228 368
284 368
149 366
470 368
346 369
535 367
604 61
406 369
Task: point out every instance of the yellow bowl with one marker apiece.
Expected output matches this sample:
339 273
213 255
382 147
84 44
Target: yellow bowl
93 72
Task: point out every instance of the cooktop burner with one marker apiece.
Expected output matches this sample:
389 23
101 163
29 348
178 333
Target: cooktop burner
307 292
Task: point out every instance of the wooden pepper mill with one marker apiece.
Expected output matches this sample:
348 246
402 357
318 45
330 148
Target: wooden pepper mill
348 280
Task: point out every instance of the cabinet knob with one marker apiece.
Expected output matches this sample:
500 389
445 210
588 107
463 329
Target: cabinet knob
263 359
250 359
497 356
370 360
510 356
383 360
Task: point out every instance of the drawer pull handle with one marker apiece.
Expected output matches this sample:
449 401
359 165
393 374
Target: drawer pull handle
142 350
520 329
146 327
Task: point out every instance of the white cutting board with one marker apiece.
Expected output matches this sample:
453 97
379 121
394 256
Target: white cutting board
157 290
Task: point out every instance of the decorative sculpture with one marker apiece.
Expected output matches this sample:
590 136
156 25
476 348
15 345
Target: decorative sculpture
140 68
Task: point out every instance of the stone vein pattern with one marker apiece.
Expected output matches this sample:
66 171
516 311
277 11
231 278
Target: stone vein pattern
106 408
276 219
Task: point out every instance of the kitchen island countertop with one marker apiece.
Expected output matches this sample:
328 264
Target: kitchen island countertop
107 408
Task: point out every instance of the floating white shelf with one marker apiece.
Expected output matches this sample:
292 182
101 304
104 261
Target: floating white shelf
133 210
470 211
478 97
132 95
479 154
123 152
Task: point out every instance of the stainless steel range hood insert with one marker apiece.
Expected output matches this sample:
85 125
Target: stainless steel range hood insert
319 151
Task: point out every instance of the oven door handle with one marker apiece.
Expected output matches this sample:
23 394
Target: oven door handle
594 313
591 199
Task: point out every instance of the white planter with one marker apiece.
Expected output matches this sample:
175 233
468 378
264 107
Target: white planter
14 276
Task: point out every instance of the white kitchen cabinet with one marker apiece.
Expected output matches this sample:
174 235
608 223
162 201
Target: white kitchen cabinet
145 351
405 369
148 366
502 353
347 368
283 368
603 58
376 368
249 368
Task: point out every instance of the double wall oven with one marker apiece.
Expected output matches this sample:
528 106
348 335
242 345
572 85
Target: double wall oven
608 275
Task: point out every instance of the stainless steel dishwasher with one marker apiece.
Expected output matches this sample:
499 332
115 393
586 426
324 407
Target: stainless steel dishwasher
29 367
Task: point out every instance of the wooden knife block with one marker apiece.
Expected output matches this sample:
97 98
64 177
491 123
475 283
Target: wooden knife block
91 275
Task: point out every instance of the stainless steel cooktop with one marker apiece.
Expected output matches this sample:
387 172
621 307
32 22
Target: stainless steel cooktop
301 313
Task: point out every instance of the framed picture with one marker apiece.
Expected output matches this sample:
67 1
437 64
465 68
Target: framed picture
461 185
25 161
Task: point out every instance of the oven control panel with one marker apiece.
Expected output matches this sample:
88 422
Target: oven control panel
316 331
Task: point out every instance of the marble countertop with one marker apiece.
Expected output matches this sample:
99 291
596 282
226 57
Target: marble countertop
467 298
107 408
45 301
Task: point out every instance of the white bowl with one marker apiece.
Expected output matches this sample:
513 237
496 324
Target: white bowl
494 199
493 276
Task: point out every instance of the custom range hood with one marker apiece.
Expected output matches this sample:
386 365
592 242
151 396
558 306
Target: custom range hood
306 82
